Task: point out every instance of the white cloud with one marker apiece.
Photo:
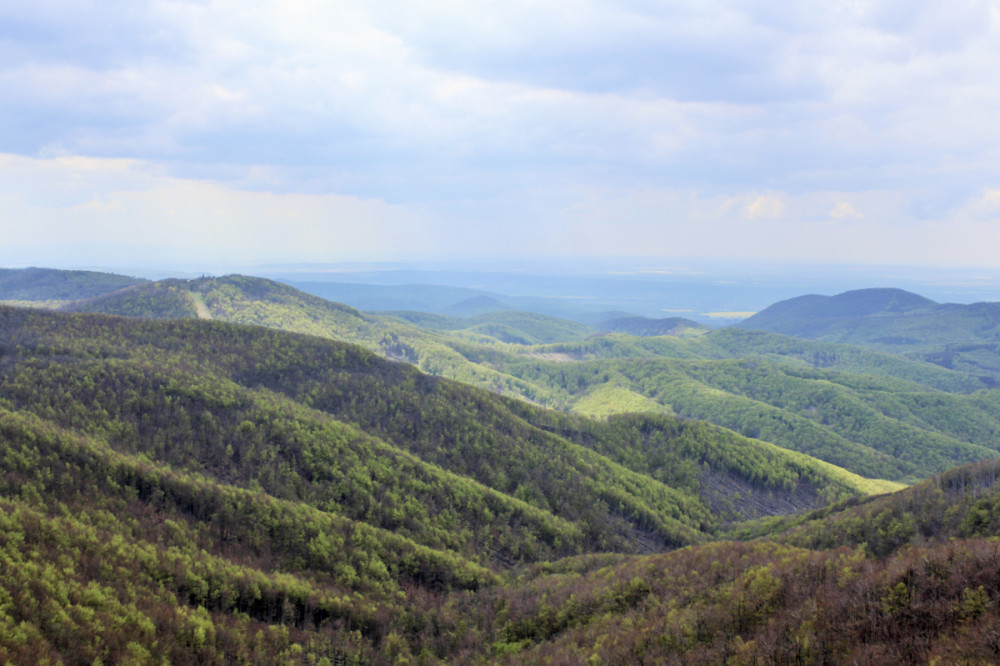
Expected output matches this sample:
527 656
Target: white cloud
83 200
459 118
984 207
844 209
90 205
766 206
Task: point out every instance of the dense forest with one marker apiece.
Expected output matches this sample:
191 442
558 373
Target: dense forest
177 490
877 414
53 288
952 335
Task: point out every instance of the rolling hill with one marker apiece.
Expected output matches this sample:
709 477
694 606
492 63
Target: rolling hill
56 287
201 491
507 326
172 384
647 327
955 336
865 410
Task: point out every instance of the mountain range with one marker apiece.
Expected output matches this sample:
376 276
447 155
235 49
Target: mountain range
238 472
878 414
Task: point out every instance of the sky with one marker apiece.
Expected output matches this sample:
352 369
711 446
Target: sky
251 132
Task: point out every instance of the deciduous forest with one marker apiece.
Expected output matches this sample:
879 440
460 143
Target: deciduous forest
236 472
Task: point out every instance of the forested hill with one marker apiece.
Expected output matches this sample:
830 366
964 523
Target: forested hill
819 398
509 326
181 482
961 337
647 327
963 502
154 384
199 491
52 286
858 303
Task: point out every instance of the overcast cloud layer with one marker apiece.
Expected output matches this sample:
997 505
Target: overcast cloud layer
323 131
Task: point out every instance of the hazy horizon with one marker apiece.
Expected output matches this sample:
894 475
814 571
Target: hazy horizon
710 291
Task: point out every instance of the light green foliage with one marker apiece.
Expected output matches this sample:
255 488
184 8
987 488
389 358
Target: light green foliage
876 414
202 491
953 336
605 399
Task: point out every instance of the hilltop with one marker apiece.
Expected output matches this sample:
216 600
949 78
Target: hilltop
955 336
646 327
52 286
817 398
856 303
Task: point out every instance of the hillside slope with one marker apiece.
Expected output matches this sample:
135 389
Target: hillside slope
113 556
521 328
955 336
646 327
109 556
165 386
802 395
51 285
963 502
207 492
878 427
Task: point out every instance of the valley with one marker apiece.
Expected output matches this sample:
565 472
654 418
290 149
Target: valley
765 386
227 470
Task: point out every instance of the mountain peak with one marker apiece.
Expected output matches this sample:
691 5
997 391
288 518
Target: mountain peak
789 316
862 302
